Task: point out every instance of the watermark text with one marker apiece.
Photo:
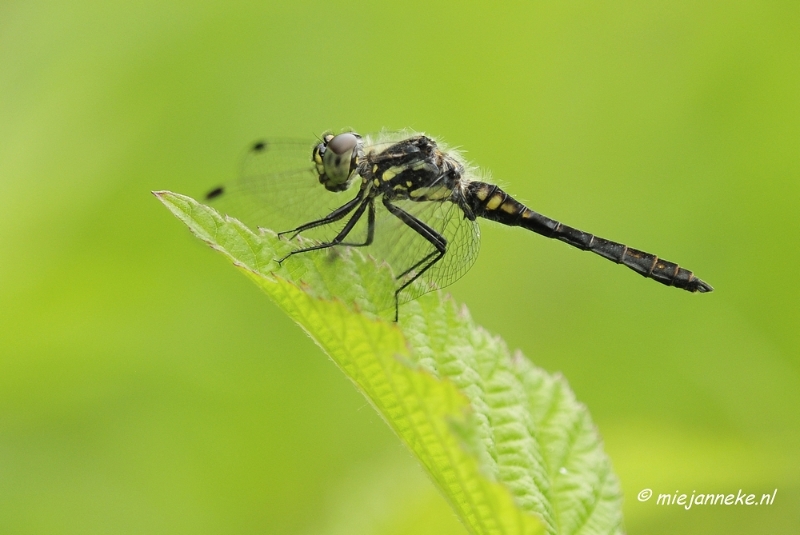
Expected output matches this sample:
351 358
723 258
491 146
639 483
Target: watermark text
687 501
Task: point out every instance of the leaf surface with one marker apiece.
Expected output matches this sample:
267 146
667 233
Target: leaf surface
507 443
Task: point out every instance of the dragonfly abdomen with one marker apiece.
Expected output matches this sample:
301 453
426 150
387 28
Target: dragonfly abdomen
491 202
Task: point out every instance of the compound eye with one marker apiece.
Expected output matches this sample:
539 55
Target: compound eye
343 143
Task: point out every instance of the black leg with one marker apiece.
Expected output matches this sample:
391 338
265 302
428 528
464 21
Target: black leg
370 227
334 216
415 266
433 237
339 237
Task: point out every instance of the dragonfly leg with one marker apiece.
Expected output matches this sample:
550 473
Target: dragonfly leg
339 237
370 228
334 216
435 239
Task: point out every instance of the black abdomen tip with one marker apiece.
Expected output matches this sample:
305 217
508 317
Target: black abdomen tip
702 286
214 193
258 146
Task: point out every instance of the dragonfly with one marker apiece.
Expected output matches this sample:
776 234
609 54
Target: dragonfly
407 199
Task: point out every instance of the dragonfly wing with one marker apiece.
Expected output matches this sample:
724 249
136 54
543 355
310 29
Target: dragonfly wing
409 253
277 188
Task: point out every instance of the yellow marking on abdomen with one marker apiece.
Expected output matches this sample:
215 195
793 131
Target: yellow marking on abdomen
508 208
494 202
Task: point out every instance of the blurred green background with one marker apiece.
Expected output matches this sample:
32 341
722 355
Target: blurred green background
147 387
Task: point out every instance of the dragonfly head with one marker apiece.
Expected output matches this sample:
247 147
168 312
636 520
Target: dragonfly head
336 159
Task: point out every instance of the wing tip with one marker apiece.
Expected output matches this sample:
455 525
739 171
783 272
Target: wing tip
214 193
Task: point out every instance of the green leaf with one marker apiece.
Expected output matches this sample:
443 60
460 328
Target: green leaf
506 443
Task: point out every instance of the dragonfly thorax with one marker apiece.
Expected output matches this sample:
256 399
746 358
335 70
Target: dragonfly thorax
336 159
411 169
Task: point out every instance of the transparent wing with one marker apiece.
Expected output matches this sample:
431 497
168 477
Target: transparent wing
277 188
411 256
